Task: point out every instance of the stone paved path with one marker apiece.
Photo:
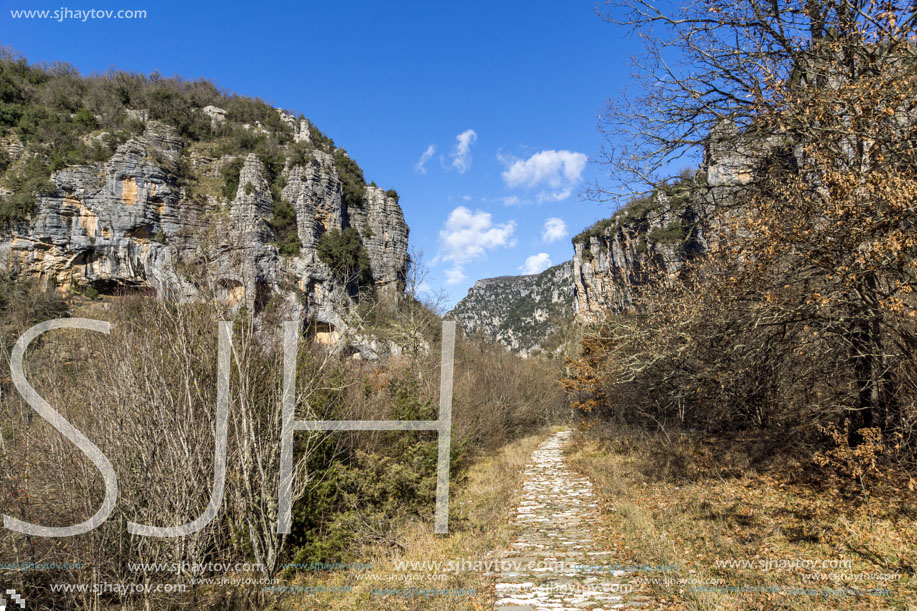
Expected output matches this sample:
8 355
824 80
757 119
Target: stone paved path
553 563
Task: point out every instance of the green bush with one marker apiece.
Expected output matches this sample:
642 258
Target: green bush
274 159
666 197
393 194
284 225
175 109
390 482
240 109
300 153
320 140
345 254
352 181
671 234
230 175
29 183
237 140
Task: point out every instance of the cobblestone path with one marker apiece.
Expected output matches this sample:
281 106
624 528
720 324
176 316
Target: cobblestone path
553 563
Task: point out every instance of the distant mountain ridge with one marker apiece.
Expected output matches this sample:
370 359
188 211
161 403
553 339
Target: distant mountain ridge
527 314
649 239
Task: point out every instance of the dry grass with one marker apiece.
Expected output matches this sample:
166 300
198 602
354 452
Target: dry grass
685 503
482 503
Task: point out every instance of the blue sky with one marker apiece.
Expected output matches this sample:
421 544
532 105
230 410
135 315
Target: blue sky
502 95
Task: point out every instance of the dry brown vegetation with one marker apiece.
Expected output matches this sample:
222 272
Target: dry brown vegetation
802 316
763 404
700 503
484 500
800 320
146 395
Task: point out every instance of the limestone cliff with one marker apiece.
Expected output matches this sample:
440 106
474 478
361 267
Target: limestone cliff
652 238
648 239
222 210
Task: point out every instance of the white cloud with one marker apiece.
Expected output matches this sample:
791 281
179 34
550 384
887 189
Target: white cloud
554 196
554 229
536 263
512 200
455 275
427 154
468 235
461 156
556 172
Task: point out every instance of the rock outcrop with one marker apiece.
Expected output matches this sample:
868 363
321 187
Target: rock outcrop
527 314
652 239
645 241
153 217
649 240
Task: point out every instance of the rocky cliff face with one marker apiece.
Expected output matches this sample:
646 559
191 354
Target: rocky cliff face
647 240
153 217
653 238
527 314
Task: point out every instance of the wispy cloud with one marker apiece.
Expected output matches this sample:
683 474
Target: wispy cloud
420 166
555 172
455 275
512 200
468 235
461 156
554 229
536 263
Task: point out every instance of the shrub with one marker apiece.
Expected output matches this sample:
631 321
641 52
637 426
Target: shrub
345 254
672 233
352 181
244 110
274 159
299 153
32 181
230 175
284 225
665 197
175 109
320 140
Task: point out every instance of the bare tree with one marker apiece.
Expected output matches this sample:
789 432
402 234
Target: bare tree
712 61
813 272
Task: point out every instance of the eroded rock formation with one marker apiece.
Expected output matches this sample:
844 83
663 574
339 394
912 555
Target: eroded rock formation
153 216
